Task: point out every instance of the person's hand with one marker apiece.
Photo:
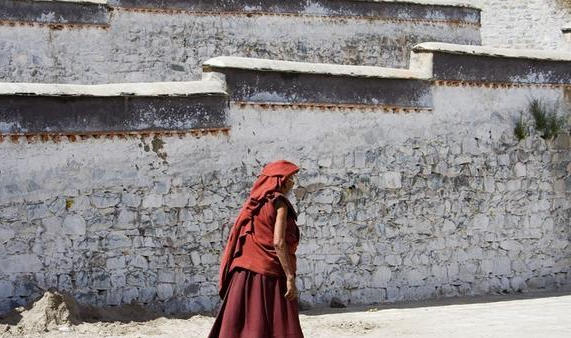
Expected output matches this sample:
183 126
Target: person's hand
292 292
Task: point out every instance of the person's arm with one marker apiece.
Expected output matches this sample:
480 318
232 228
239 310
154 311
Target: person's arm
282 249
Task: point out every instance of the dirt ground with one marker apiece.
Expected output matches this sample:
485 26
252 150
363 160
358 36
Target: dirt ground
544 315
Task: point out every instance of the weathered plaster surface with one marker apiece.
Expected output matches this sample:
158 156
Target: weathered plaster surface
518 24
534 54
143 47
115 89
310 68
100 2
524 24
391 206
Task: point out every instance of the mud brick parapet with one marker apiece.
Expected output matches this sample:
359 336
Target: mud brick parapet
38 108
498 65
346 8
256 80
93 12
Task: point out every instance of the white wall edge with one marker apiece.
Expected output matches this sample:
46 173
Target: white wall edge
451 3
115 89
98 2
450 48
311 68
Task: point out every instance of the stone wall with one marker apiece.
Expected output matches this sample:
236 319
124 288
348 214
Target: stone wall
406 192
391 206
532 24
158 44
525 24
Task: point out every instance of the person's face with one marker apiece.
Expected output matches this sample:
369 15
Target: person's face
288 184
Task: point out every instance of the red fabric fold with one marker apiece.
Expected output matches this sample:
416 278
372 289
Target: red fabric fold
267 187
255 307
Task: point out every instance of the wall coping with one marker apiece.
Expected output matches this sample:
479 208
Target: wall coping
449 3
450 48
99 2
566 28
310 68
115 89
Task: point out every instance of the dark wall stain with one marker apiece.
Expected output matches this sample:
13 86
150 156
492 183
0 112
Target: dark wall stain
64 114
54 12
158 147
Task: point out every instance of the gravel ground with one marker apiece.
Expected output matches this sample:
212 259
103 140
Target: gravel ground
545 315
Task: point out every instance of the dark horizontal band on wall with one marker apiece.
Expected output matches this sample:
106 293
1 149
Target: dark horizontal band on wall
54 12
110 135
394 10
331 107
497 85
246 85
71 114
482 68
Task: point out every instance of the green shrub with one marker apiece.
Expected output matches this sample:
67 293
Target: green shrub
520 129
547 123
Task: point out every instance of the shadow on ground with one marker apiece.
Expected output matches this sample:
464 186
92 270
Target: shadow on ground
316 311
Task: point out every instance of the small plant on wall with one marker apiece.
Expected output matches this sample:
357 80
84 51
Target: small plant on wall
521 129
546 121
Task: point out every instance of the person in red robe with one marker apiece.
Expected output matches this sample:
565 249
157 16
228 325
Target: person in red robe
258 267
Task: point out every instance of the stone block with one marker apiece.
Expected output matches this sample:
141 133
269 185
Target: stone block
57 206
139 261
113 297
504 160
131 200
159 217
489 184
147 294
115 263
511 245
20 263
480 221
74 225
486 267
501 266
52 225
6 234
105 199
130 295
177 200
162 186
326 196
517 283
118 279
381 276
209 198
101 281
153 201
125 219
36 211
391 180
164 291
116 240
414 277
6 289
360 159
79 203
166 276
136 278
470 146
520 170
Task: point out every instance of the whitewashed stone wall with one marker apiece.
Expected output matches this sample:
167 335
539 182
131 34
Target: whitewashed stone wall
143 47
532 24
525 24
391 206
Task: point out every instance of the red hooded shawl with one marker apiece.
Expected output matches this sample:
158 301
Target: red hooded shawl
250 243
